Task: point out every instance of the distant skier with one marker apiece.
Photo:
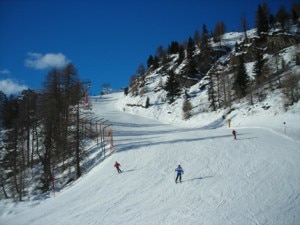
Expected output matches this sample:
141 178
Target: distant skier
117 165
234 134
229 122
179 171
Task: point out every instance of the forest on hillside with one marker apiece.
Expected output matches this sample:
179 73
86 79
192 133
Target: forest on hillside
208 60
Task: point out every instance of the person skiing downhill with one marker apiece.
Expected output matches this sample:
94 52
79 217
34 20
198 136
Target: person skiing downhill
179 171
117 165
234 134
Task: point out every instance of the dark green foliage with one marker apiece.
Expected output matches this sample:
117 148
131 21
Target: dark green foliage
3 100
147 104
126 91
241 80
10 112
205 58
150 61
172 87
173 48
295 12
190 48
153 62
282 16
262 23
181 54
258 69
211 93
190 69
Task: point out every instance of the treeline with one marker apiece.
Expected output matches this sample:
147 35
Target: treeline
43 134
197 59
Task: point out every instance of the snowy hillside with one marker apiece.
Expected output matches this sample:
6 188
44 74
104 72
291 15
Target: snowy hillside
272 111
252 180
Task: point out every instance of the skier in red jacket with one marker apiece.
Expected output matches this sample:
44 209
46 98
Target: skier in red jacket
117 165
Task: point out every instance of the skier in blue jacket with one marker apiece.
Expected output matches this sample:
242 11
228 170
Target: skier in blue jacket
179 171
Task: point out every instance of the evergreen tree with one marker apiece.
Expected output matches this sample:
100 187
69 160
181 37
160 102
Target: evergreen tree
241 79
10 112
153 62
161 54
205 52
150 61
181 54
295 12
147 104
211 92
190 48
190 69
3 100
262 23
258 69
282 16
173 48
126 91
172 87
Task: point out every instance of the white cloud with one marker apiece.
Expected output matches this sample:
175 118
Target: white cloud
5 71
10 87
39 61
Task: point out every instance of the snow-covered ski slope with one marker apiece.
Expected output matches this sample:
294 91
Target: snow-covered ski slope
252 180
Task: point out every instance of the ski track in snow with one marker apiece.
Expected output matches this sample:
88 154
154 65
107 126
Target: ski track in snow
252 180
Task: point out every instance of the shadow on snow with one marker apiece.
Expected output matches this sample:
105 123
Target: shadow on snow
197 178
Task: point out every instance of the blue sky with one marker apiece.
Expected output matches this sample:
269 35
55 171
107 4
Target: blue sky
105 40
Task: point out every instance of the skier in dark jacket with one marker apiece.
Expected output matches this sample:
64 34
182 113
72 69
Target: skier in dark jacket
179 171
234 134
117 165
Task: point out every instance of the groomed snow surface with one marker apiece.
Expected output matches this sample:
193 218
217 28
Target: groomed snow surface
252 180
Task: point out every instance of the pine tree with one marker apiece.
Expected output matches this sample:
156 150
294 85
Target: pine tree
147 104
295 12
150 61
173 48
241 79
262 23
211 93
172 87
3 99
258 69
181 54
282 16
205 52
190 48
